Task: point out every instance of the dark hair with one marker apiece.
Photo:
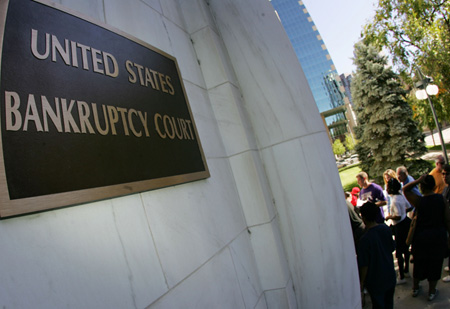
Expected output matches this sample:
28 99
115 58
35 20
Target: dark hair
369 211
447 168
393 186
428 183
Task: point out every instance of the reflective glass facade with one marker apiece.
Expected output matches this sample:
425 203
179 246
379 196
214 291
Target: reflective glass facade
314 58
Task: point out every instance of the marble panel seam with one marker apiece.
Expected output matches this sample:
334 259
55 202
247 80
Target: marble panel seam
146 4
261 296
143 2
187 81
277 289
283 290
224 63
130 273
169 37
153 240
243 152
275 215
292 139
224 83
205 27
218 252
104 11
176 25
237 276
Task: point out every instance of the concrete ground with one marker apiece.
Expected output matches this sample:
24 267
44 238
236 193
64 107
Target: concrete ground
437 140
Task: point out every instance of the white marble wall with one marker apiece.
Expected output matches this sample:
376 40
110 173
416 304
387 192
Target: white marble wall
295 153
269 229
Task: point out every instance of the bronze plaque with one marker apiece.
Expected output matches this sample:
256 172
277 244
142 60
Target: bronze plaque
87 112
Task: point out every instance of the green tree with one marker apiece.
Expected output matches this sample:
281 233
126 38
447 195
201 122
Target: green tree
349 142
416 32
338 147
386 133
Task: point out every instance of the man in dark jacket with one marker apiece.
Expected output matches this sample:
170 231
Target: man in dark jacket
375 261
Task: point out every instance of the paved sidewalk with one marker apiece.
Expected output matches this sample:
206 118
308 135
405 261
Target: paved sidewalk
437 140
429 142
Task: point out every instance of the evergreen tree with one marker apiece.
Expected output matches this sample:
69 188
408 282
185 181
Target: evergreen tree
386 132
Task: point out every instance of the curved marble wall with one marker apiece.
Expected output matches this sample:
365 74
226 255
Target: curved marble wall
269 229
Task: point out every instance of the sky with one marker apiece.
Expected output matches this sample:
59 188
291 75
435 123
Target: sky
340 23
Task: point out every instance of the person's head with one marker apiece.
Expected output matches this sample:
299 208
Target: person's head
440 161
362 178
355 191
388 174
369 212
427 185
402 173
347 195
446 174
393 186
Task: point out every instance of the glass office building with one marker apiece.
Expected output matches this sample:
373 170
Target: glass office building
316 63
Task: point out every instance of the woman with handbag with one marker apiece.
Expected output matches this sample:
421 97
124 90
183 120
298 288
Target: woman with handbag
401 224
429 242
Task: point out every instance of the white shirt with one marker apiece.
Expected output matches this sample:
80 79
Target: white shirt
399 204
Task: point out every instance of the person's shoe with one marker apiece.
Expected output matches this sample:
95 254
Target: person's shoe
446 279
415 292
446 268
401 281
432 296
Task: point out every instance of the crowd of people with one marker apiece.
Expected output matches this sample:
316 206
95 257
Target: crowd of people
408 216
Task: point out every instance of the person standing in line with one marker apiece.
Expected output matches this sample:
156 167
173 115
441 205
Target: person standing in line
405 178
429 243
401 223
437 174
375 261
446 194
387 175
358 227
355 193
371 192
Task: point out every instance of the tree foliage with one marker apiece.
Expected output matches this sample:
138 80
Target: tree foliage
349 142
416 33
338 147
386 132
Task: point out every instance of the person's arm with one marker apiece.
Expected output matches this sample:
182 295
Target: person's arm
412 198
381 203
393 212
392 217
447 216
362 276
381 199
